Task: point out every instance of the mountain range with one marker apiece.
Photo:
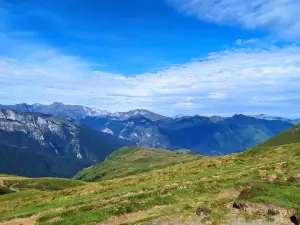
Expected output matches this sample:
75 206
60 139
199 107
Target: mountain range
76 112
206 135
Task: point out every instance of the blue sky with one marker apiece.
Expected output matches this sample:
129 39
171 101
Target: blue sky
170 56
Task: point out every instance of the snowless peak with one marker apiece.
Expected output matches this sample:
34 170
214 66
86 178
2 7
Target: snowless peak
259 116
266 117
180 116
24 107
96 112
57 104
136 112
140 112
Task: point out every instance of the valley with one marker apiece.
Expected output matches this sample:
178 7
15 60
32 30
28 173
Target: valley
213 135
115 179
258 186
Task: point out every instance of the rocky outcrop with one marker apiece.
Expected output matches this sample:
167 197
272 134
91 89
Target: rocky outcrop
55 136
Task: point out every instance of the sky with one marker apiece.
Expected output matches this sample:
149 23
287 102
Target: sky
206 57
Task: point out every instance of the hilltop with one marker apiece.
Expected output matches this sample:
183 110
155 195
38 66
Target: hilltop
133 160
259 186
289 136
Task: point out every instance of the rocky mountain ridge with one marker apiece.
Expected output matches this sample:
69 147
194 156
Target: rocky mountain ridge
205 135
213 135
75 112
266 117
42 135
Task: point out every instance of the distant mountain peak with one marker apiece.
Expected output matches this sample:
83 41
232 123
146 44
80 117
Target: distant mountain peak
58 103
76 112
138 113
59 109
266 117
180 116
135 112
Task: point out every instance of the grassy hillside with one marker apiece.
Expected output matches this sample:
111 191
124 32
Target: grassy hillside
19 184
133 160
259 186
291 135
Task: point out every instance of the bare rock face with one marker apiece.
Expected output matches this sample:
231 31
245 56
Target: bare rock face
55 136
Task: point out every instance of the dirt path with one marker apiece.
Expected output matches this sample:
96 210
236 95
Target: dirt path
133 217
2 184
23 221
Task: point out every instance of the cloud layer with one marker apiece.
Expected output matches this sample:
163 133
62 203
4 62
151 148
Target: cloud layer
235 81
278 16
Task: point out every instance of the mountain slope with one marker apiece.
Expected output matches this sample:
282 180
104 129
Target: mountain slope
50 140
30 163
205 135
289 136
133 160
259 186
55 136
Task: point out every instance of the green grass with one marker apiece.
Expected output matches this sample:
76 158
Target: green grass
286 194
46 184
292 135
42 184
264 175
133 160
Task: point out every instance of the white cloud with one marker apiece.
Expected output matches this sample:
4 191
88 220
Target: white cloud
278 16
248 41
234 81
